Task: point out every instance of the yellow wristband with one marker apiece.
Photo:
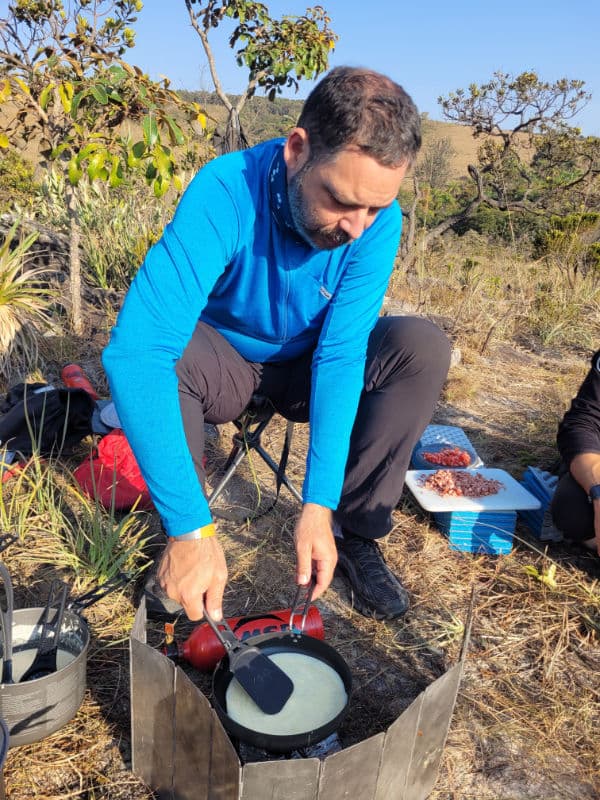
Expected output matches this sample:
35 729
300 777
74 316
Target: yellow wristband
205 532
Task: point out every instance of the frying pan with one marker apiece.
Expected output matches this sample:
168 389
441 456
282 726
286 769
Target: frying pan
269 644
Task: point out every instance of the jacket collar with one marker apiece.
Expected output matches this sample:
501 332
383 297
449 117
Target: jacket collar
278 194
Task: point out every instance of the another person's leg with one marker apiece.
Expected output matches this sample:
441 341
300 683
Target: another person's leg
572 513
407 364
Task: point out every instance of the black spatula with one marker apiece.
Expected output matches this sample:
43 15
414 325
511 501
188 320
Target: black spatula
44 662
261 678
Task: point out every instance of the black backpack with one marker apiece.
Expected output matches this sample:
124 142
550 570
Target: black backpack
39 418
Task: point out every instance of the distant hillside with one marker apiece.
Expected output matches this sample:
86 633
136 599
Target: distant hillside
263 120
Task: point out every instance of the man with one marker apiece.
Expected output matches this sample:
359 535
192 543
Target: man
576 501
269 280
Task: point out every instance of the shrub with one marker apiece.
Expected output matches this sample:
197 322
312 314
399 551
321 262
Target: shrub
17 186
24 304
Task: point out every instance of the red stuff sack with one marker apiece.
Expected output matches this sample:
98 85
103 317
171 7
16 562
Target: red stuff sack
112 476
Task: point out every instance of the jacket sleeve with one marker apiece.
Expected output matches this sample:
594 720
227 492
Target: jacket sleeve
579 431
339 361
155 324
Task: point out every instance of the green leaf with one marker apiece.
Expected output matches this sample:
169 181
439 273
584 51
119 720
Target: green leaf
45 95
118 72
90 148
96 166
99 93
75 103
175 131
65 99
138 150
150 129
75 172
116 173
163 163
160 186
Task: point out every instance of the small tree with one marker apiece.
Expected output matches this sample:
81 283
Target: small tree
278 53
67 90
530 161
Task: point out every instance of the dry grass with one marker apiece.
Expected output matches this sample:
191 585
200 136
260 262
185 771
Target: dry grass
527 717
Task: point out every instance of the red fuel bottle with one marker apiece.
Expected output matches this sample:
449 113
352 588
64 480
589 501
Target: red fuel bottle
203 650
74 377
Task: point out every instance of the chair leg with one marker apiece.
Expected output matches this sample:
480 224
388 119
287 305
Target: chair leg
234 460
275 467
243 442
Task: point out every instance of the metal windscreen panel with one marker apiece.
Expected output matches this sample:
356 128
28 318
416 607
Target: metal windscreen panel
297 779
193 730
352 773
434 722
397 752
152 717
225 768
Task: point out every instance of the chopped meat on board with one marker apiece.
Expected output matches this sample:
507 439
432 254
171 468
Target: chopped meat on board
450 483
448 457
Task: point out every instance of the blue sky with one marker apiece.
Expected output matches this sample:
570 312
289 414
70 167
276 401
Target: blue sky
430 47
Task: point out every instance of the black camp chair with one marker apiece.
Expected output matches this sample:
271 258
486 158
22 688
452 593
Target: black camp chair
251 425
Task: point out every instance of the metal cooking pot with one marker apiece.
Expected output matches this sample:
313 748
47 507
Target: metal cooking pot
36 708
3 751
282 643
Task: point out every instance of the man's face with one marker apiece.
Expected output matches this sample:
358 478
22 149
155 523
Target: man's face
332 202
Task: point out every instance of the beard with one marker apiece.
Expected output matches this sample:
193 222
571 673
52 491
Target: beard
305 219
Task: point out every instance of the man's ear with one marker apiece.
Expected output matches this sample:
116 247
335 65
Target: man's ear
296 151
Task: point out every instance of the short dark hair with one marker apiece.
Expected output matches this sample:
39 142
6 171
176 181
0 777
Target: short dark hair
361 108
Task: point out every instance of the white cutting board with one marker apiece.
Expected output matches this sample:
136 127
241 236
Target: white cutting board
510 497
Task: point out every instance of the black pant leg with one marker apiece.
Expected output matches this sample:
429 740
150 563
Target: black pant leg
572 514
215 385
407 362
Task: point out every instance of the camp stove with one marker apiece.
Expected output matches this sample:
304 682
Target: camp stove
180 748
248 753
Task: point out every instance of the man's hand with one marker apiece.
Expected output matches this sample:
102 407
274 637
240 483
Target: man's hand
315 547
194 574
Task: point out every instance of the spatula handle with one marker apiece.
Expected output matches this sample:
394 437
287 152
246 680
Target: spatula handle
227 637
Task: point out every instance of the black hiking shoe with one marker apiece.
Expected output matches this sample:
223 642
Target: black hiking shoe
159 606
376 591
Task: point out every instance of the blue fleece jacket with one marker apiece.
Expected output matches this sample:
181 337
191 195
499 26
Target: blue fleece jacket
232 258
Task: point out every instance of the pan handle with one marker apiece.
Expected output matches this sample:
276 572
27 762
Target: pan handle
300 605
78 604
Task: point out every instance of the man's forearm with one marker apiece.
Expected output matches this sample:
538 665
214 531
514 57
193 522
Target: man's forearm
585 468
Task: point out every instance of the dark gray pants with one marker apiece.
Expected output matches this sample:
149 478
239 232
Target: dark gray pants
572 513
407 363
